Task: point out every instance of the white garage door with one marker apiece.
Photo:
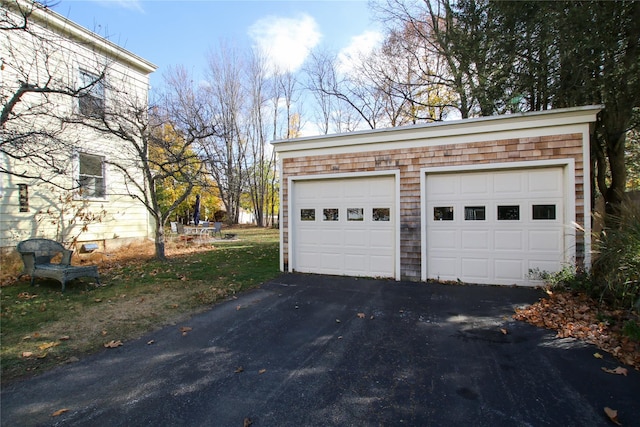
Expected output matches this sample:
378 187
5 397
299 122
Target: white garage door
344 226
494 227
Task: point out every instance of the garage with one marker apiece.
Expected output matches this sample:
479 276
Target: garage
493 227
345 226
485 200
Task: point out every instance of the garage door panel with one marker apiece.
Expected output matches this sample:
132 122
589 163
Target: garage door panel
331 237
475 268
508 269
545 241
443 239
508 183
474 186
475 239
356 238
546 183
444 267
509 240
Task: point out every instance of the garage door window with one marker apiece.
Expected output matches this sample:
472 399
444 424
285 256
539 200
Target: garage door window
443 213
474 213
355 214
509 213
330 215
307 214
381 214
544 212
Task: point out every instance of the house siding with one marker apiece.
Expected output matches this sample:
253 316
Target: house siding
409 161
55 211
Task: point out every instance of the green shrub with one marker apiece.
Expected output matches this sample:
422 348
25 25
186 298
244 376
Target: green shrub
569 277
616 269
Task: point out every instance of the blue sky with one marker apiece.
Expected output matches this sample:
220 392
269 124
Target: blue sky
173 32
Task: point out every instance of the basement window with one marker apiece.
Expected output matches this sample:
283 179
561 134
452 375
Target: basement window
23 194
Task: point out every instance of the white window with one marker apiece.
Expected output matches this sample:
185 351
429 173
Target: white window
91 180
91 98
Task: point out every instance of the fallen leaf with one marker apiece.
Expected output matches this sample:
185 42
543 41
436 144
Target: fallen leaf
247 422
238 307
618 371
504 331
239 369
262 371
361 315
113 344
185 329
27 354
597 355
98 300
48 345
612 414
60 412
150 342
42 356
337 320
64 338
103 333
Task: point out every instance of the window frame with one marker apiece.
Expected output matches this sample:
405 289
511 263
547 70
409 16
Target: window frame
80 192
92 99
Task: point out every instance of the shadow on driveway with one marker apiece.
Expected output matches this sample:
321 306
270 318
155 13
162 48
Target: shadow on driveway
307 350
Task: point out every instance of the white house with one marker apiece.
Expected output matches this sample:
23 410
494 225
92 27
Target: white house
484 200
79 197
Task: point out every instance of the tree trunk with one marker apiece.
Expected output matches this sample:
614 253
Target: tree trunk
160 241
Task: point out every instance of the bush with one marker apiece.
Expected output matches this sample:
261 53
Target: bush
569 277
616 269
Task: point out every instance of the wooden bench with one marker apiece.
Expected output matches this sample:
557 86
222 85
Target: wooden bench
37 255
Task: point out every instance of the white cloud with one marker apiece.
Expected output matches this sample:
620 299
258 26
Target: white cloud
286 42
358 47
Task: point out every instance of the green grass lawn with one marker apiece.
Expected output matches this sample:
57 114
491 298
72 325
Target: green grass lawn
40 327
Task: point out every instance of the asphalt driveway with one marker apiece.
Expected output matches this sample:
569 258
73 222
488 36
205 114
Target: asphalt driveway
307 350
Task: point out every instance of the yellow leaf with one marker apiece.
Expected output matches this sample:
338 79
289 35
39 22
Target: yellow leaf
47 345
361 315
27 354
612 414
597 355
59 412
113 344
618 371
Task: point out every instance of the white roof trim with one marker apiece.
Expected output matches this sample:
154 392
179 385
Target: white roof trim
446 129
47 17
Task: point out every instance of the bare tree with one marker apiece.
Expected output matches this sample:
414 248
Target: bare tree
224 152
158 144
